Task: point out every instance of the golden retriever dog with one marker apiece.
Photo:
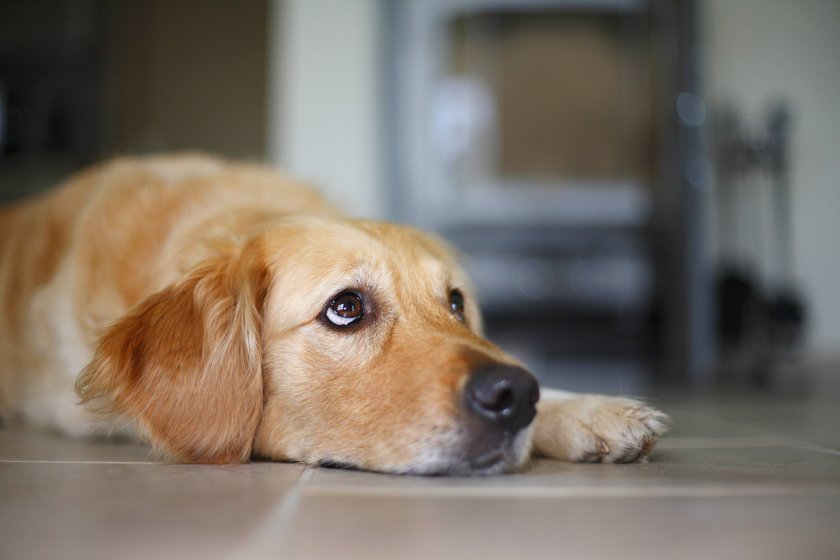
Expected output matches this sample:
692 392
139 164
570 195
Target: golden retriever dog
225 313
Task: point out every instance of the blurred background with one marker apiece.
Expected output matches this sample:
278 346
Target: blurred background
645 192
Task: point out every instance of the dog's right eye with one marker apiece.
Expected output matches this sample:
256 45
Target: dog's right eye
345 309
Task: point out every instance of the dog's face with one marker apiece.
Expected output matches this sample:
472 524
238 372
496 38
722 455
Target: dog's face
323 341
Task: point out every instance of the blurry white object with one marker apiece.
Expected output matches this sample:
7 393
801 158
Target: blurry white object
463 114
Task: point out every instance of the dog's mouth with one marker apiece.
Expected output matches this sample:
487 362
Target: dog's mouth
507 455
488 460
490 463
483 455
478 457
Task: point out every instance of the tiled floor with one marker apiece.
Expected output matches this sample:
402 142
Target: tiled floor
735 479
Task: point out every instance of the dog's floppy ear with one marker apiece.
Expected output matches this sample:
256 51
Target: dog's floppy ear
186 363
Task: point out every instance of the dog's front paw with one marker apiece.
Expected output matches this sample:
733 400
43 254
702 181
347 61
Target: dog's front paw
597 429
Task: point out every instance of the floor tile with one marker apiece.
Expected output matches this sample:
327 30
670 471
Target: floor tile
818 424
364 527
689 423
92 511
37 446
679 472
733 479
815 420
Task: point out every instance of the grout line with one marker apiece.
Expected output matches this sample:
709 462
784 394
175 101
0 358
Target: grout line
593 492
275 527
90 462
818 448
713 442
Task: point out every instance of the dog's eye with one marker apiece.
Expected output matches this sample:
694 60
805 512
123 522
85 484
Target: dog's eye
456 304
345 309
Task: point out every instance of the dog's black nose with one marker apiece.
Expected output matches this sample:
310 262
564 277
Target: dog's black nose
503 395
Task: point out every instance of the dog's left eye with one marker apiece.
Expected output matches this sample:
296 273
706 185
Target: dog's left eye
456 304
345 309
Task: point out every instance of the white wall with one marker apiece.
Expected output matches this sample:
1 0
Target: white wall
760 49
325 99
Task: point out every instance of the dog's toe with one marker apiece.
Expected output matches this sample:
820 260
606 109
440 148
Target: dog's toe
629 428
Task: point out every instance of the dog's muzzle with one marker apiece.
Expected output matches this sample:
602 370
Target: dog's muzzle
498 404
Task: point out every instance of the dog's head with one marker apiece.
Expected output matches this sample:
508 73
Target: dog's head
328 342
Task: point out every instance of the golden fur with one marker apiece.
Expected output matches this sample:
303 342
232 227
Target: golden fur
190 294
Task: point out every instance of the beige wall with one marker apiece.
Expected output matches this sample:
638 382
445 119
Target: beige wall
758 50
296 82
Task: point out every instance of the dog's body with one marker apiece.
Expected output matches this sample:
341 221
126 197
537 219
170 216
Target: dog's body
227 312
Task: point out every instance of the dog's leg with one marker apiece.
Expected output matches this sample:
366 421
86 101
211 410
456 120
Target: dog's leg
595 428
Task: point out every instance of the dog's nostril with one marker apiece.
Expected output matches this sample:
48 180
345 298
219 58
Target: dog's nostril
503 395
493 397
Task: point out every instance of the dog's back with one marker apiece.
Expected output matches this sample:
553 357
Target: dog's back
35 235
77 258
